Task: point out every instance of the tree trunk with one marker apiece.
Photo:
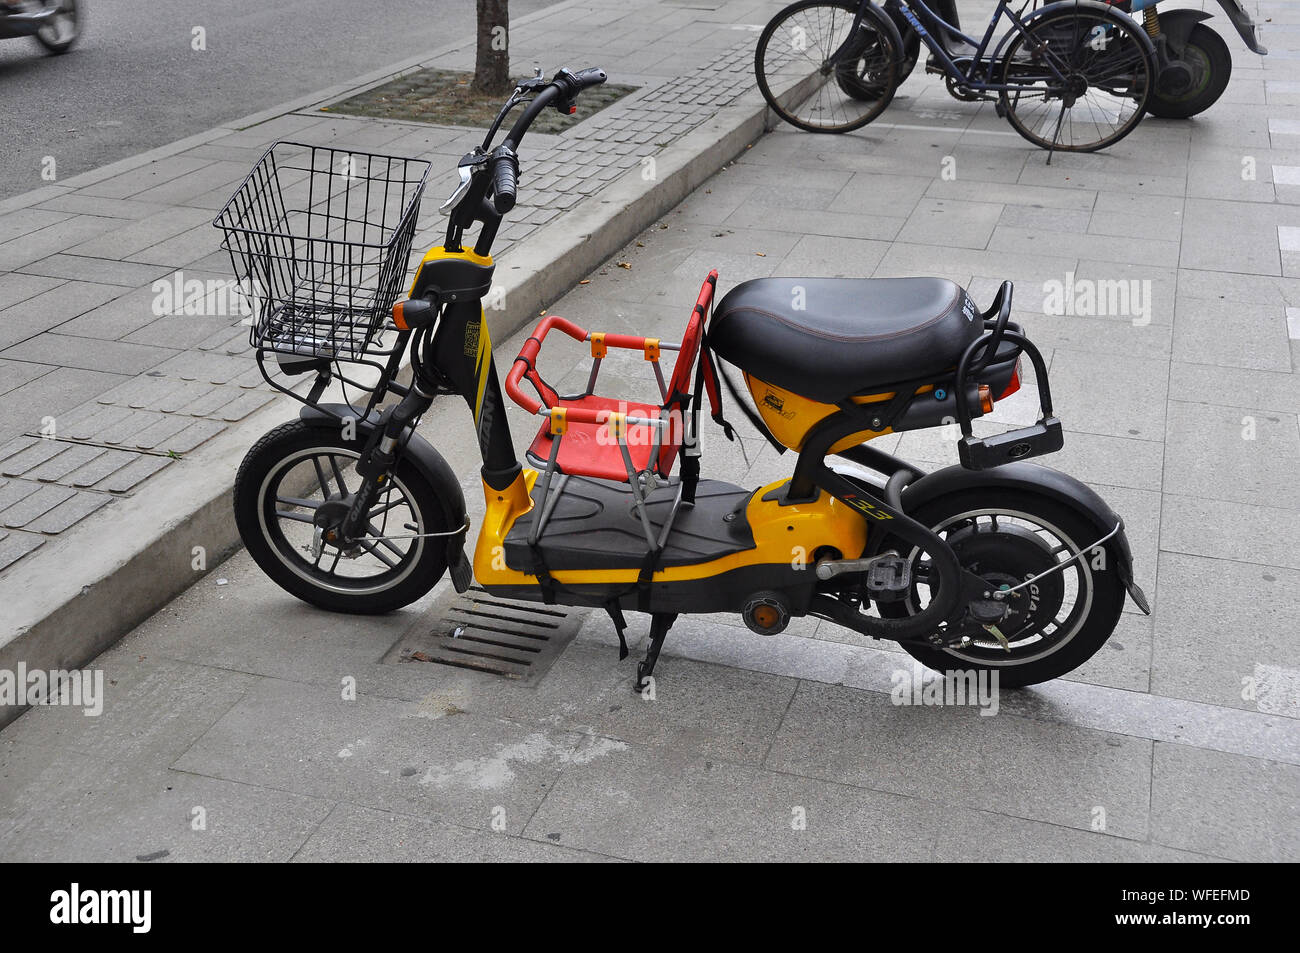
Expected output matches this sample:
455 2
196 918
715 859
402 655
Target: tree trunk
492 54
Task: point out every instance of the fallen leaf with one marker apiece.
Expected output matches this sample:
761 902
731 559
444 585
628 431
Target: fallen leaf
761 254
640 244
585 281
625 264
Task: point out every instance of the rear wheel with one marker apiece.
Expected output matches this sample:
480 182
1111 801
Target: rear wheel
298 479
1081 80
818 74
1006 538
1208 59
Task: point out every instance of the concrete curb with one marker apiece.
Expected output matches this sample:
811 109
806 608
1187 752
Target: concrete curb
72 600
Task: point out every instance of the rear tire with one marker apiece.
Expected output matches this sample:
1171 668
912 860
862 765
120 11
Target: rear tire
1099 592
274 530
1211 62
1109 71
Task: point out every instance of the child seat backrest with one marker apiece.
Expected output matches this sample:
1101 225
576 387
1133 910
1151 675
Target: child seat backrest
679 386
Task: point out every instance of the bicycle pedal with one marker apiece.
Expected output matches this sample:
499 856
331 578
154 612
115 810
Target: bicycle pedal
985 453
888 575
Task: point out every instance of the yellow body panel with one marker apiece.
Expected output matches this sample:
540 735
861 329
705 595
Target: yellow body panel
791 417
785 535
437 253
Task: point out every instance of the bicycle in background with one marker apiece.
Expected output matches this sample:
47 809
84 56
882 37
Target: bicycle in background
1075 75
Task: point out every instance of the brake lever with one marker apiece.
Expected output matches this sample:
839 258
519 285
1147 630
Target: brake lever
467 166
466 177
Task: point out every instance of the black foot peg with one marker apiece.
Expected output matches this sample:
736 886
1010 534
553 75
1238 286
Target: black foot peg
889 578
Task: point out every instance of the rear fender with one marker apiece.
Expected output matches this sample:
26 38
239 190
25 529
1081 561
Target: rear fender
1177 25
431 465
1041 481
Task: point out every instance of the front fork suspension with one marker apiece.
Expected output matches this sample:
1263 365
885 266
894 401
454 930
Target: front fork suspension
378 459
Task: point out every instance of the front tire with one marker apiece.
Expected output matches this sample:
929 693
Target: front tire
848 92
281 485
1211 63
1089 590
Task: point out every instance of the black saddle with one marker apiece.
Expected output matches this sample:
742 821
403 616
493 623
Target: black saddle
830 338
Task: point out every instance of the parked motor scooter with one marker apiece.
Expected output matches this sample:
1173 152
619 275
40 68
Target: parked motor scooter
55 24
1195 63
995 564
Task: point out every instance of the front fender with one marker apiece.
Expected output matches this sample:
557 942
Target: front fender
431 465
1043 481
1104 9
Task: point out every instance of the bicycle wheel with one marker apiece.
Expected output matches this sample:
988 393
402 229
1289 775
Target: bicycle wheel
1081 80
818 74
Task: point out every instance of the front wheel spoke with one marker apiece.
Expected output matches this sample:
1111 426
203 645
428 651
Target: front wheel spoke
296 517
298 501
375 551
379 537
338 474
321 477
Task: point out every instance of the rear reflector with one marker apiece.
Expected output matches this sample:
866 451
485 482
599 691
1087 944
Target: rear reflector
986 399
1015 382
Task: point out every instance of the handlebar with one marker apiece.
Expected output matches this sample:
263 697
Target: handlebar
505 178
505 161
490 182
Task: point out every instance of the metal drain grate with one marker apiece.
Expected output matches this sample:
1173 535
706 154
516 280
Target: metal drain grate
520 640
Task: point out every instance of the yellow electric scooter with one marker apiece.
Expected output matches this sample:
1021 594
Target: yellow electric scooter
993 564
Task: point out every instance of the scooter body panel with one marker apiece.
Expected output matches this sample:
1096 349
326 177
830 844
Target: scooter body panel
786 539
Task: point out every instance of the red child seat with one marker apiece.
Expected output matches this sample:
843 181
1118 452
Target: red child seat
588 439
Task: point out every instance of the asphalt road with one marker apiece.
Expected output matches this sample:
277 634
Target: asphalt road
134 82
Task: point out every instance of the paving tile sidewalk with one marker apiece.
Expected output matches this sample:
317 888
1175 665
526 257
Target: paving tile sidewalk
111 371
1179 741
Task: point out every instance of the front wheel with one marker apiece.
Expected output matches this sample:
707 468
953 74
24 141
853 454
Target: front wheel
818 73
298 480
1209 61
1079 80
63 28
1054 625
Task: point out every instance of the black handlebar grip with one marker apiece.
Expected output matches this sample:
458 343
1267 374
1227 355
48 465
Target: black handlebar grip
587 78
505 177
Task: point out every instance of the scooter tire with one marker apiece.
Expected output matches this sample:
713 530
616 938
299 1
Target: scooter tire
254 500
1107 591
1202 42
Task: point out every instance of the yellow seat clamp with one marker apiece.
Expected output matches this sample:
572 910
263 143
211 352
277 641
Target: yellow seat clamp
652 349
598 348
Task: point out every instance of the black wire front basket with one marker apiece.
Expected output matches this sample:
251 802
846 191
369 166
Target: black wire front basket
319 240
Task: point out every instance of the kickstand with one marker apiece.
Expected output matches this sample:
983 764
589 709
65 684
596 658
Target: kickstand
660 623
615 612
1057 134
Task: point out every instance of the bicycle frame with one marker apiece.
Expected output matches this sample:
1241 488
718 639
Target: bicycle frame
916 12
